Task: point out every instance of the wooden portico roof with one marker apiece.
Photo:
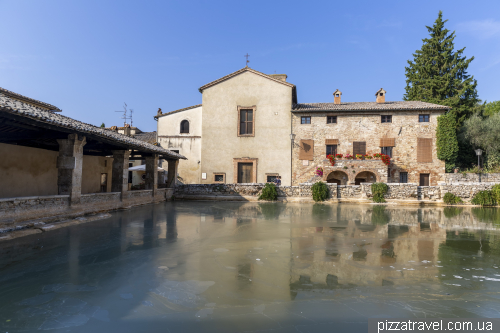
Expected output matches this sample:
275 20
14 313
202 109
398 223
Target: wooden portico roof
32 126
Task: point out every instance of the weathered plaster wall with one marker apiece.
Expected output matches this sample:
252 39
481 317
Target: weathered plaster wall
92 168
188 144
271 143
353 126
26 171
33 172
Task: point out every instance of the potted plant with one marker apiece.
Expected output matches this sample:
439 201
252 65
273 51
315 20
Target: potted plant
331 158
319 171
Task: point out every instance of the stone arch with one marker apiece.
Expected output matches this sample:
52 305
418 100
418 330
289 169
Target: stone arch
365 177
337 177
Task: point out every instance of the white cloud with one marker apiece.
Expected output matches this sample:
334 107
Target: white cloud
483 29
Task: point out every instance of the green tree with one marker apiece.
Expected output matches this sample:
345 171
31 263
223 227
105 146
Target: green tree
447 143
102 125
438 74
484 133
491 108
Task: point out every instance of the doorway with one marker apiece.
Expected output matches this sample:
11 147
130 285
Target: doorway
104 182
424 179
245 172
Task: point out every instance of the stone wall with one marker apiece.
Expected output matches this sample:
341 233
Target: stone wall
397 191
16 210
454 178
405 128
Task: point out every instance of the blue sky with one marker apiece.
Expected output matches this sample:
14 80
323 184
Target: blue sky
89 57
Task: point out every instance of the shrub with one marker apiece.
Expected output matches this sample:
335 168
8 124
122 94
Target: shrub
380 216
484 198
451 199
378 191
450 212
269 192
495 191
319 191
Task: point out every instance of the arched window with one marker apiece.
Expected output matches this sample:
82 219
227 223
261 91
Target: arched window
184 126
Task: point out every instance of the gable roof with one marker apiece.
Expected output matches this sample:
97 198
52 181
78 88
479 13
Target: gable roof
28 100
368 106
238 72
175 111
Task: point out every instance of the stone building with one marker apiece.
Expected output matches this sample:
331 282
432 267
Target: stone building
405 131
241 134
50 158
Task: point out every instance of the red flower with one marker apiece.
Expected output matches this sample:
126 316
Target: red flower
332 159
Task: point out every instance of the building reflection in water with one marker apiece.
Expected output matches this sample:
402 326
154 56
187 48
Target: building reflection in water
363 249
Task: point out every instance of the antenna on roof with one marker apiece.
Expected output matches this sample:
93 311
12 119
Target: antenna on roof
246 56
125 117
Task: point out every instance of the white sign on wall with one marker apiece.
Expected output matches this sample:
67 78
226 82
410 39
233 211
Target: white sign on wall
203 175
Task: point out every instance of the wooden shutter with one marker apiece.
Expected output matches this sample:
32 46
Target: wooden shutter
331 141
424 150
306 150
359 148
387 142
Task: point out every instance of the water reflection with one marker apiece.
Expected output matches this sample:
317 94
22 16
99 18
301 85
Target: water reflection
252 266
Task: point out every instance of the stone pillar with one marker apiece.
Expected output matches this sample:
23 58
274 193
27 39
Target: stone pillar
119 175
172 172
152 173
69 165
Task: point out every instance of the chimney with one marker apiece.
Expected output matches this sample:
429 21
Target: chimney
126 130
380 95
281 77
337 94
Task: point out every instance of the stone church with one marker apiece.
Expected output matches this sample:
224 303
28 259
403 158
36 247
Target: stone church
250 128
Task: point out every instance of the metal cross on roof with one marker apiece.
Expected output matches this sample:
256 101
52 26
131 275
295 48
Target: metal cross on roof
246 56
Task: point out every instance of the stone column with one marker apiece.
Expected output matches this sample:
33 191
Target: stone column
119 175
172 172
69 165
152 173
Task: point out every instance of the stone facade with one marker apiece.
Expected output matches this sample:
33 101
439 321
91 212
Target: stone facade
364 126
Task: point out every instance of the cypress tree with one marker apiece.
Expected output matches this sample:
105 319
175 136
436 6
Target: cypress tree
438 74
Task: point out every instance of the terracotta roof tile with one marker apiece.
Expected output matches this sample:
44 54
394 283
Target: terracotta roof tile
17 107
368 106
28 100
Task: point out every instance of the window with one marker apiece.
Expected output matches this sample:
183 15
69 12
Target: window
219 177
130 165
387 151
359 148
305 120
331 150
104 182
331 119
246 123
424 150
184 126
403 177
271 177
423 118
386 119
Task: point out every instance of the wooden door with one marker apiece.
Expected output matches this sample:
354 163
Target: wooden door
424 179
245 172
